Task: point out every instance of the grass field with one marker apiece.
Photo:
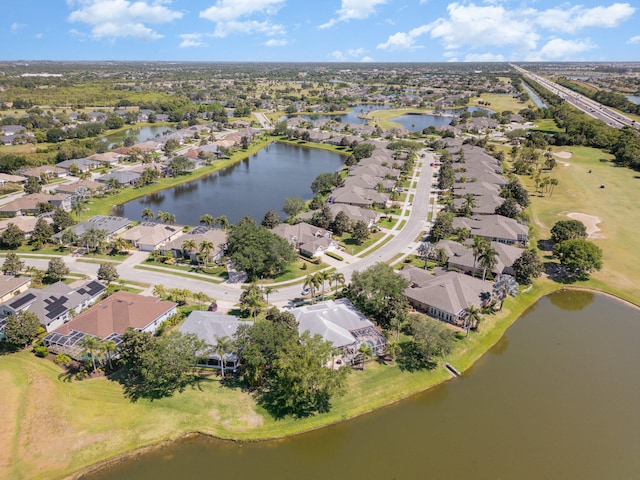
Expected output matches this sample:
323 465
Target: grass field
616 206
500 102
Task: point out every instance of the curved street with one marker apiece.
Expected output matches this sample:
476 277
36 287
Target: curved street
403 242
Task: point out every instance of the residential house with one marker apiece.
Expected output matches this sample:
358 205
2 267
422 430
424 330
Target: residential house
341 324
123 177
150 236
108 159
55 304
28 204
26 223
108 320
82 165
461 257
307 239
358 196
81 189
7 178
11 286
44 170
495 228
110 225
446 295
199 234
209 327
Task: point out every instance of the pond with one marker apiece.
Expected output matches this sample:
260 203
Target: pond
557 397
416 122
350 117
634 99
250 187
140 134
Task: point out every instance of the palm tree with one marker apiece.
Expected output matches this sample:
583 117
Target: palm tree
472 318
487 260
553 182
469 204
166 217
310 282
321 278
479 244
202 298
110 347
207 219
190 246
505 285
252 300
91 346
393 349
223 221
205 248
338 279
147 214
159 291
120 244
223 346
269 290
366 351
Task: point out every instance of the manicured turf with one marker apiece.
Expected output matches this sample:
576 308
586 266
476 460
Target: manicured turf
500 102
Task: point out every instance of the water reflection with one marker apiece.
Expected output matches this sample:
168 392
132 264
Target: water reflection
572 300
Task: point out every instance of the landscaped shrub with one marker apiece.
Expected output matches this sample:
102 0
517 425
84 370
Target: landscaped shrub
62 359
41 351
334 255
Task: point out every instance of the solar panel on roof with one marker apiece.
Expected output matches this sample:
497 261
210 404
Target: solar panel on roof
22 301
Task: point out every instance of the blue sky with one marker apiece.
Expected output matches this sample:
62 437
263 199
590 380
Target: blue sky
321 30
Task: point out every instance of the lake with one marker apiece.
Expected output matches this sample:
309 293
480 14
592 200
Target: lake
556 398
349 117
140 134
534 96
634 99
251 187
416 122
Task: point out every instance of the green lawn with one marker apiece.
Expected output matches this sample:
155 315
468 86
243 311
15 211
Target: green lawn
500 102
616 206
352 248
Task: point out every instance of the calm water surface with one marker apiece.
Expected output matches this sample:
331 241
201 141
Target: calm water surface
141 134
351 116
534 96
556 398
251 187
634 98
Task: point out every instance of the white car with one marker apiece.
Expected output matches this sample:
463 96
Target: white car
305 292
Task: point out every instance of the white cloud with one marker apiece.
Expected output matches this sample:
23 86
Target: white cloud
491 25
484 57
122 18
353 54
226 14
404 41
635 39
573 19
276 42
561 49
354 10
192 40
15 26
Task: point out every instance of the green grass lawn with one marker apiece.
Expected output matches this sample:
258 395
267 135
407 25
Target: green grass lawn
547 125
352 248
500 102
616 206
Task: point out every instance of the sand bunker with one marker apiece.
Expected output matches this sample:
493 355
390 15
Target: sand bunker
590 221
563 154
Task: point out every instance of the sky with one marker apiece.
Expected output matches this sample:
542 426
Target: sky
321 30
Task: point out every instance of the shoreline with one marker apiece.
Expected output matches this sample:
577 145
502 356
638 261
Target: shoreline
502 325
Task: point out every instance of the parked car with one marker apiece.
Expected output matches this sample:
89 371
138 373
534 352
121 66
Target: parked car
305 292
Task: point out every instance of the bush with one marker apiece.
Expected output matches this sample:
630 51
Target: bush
41 351
334 255
62 359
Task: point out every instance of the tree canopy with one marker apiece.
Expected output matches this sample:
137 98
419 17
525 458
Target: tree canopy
378 292
21 328
567 230
579 256
257 251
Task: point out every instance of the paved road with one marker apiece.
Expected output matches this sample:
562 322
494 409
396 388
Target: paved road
590 107
403 242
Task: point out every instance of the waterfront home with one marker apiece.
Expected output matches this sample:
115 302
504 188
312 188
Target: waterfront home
218 239
10 286
341 324
461 257
358 196
209 327
108 320
150 236
307 239
108 159
83 188
445 295
123 177
55 304
82 165
29 204
110 226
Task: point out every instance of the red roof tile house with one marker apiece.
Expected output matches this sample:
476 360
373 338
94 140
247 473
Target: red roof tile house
108 320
